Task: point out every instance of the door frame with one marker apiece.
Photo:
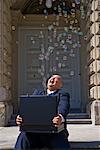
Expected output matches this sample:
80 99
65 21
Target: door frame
21 29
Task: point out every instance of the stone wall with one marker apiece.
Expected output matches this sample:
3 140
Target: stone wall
92 39
5 62
93 60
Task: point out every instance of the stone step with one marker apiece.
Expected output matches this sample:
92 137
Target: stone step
74 146
78 118
79 121
81 137
12 121
71 149
77 115
49 149
85 145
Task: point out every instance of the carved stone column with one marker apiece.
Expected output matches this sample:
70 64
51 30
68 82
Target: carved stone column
93 51
5 62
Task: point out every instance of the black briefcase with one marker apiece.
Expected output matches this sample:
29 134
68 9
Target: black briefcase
37 112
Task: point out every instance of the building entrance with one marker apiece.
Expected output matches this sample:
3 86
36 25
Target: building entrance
46 51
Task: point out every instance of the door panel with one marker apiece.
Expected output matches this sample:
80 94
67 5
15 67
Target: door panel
44 52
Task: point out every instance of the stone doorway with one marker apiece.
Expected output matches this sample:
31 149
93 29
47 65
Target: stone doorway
47 51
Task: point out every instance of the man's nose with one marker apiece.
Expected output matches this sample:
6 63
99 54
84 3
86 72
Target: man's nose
51 81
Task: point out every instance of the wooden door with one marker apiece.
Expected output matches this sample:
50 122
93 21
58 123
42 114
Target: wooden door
43 52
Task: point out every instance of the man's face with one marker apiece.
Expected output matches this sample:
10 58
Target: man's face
54 83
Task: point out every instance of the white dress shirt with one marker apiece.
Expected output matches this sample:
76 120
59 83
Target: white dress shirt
50 92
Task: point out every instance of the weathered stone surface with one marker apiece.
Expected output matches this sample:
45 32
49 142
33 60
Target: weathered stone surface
2 114
95 112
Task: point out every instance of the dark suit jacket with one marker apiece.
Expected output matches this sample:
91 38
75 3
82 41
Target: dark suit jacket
64 102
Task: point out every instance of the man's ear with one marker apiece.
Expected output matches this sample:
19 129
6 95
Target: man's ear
61 84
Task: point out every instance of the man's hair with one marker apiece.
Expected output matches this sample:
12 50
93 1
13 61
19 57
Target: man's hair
50 77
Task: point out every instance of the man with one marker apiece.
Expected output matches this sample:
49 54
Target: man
54 141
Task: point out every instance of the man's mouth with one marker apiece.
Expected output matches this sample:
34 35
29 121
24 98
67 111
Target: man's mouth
51 84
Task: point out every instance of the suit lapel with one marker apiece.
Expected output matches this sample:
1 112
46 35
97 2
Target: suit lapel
56 92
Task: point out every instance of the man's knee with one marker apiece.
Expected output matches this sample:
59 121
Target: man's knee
22 141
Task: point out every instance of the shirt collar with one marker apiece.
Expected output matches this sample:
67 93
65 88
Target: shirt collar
49 92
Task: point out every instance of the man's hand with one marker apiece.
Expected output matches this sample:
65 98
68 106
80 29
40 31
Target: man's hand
19 120
57 120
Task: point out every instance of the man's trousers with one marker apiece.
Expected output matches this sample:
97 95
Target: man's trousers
36 141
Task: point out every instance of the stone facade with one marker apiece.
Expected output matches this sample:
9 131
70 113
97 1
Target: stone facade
93 60
5 62
8 29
